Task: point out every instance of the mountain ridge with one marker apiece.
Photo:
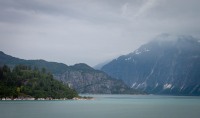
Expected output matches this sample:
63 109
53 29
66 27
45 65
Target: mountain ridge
161 66
80 77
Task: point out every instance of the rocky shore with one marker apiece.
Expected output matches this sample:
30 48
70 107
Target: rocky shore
45 99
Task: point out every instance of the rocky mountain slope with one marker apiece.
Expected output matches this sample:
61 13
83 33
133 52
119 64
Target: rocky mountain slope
166 65
87 80
81 77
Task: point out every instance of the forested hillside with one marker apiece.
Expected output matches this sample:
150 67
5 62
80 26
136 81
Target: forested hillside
22 81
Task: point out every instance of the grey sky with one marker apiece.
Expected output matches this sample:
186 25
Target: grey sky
90 31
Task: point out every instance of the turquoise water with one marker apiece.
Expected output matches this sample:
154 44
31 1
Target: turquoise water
106 106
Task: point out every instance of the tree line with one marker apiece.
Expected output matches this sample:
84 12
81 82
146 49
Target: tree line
24 81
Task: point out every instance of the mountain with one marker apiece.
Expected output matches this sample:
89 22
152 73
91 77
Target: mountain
166 65
81 77
100 65
22 82
53 67
87 80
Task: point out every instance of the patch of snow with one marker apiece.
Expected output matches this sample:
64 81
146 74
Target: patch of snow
138 86
146 50
182 87
137 52
133 85
194 88
142 85
167 86
128 59
152 70
156 85
172 87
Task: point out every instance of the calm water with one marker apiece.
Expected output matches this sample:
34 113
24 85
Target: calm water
106 106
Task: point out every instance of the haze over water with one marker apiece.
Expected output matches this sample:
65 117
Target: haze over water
106 106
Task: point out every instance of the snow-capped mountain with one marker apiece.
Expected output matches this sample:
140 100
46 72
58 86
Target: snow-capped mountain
166 65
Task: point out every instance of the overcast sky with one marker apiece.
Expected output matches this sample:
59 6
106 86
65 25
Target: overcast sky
90 31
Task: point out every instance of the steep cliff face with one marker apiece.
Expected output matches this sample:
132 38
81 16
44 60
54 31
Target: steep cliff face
162 66
88 80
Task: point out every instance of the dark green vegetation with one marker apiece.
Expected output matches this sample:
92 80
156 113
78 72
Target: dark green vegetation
22 81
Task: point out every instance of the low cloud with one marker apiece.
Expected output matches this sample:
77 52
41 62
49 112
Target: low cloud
90 31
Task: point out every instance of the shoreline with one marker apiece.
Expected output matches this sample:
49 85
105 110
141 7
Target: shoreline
44 99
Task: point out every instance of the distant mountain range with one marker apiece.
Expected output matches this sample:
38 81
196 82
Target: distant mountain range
100 65
166 65
81 77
